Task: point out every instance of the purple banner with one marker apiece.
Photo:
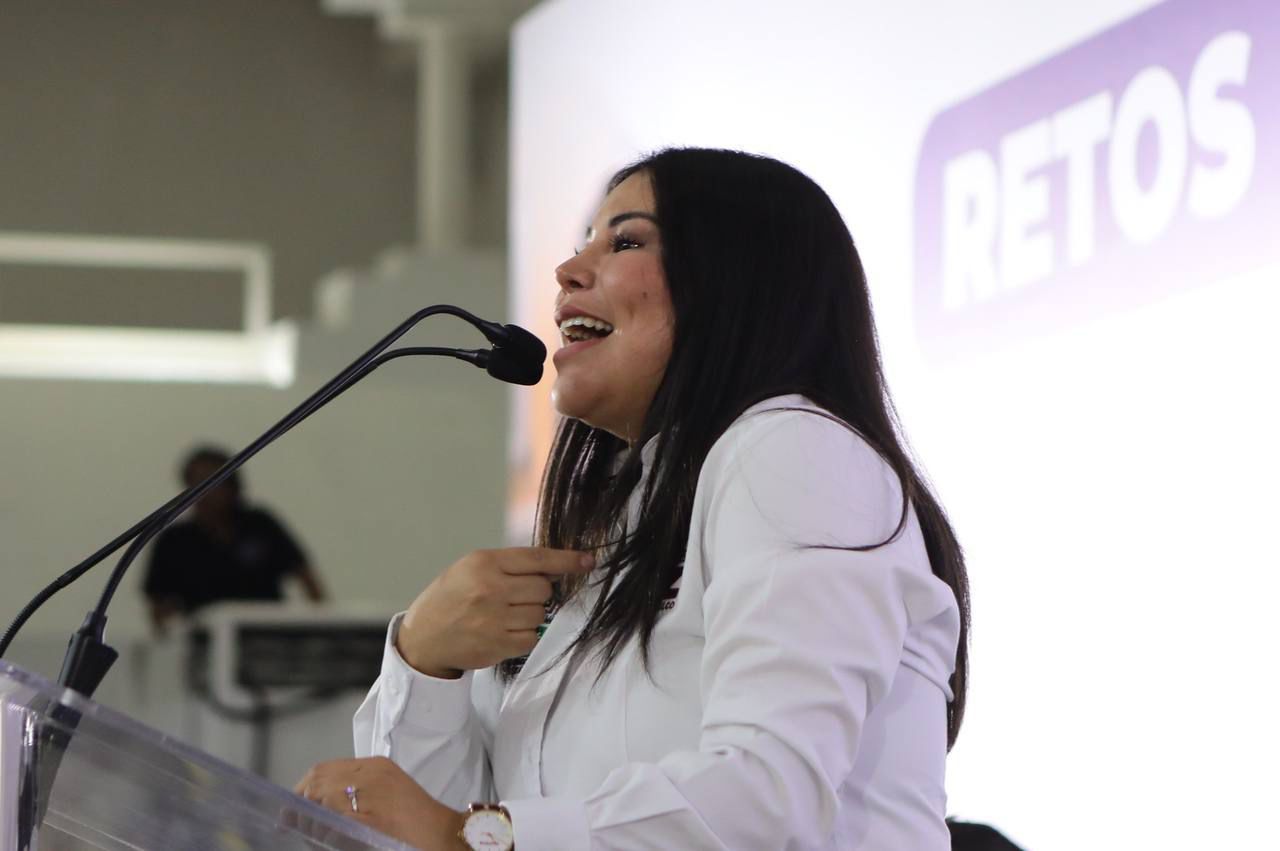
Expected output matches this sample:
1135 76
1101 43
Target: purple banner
1139 163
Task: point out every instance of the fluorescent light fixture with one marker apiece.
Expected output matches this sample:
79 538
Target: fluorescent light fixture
141 354
262 352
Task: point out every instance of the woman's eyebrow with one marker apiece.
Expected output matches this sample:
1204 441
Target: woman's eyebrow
632 214
622 217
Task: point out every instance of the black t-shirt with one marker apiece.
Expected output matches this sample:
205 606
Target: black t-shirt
192 566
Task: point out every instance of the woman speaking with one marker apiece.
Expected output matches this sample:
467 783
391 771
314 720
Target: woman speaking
743 623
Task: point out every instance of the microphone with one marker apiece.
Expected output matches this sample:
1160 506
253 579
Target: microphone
514 367
516 357
514 339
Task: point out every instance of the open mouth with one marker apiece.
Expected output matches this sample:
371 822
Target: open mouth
580 328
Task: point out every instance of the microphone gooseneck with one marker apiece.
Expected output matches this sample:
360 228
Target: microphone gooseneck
516 357
89 658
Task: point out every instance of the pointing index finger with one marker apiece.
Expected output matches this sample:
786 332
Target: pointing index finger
518 561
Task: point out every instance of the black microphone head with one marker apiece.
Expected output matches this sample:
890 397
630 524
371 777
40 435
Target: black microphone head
513 367
525 343
511 337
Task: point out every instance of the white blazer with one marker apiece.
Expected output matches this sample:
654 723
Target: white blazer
796 697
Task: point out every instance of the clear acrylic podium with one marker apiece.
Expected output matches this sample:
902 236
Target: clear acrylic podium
75 775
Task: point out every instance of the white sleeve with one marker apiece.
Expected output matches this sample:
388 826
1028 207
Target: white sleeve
801 644
438 731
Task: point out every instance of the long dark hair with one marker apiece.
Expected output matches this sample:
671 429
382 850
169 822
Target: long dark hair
769 298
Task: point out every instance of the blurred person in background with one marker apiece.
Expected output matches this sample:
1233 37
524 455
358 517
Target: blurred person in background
225 550
743 623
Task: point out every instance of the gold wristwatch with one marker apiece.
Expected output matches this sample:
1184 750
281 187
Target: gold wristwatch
487 827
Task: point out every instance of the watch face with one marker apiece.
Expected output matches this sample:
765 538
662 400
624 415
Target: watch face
487 829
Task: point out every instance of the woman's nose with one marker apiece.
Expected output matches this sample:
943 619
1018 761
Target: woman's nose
575 273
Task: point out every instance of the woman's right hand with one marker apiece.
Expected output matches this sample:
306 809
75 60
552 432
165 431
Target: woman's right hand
486 607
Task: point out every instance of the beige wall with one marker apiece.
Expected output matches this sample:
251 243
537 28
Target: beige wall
241 120
259 121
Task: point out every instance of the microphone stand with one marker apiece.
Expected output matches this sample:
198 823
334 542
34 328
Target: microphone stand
516 357
88 658
509 341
